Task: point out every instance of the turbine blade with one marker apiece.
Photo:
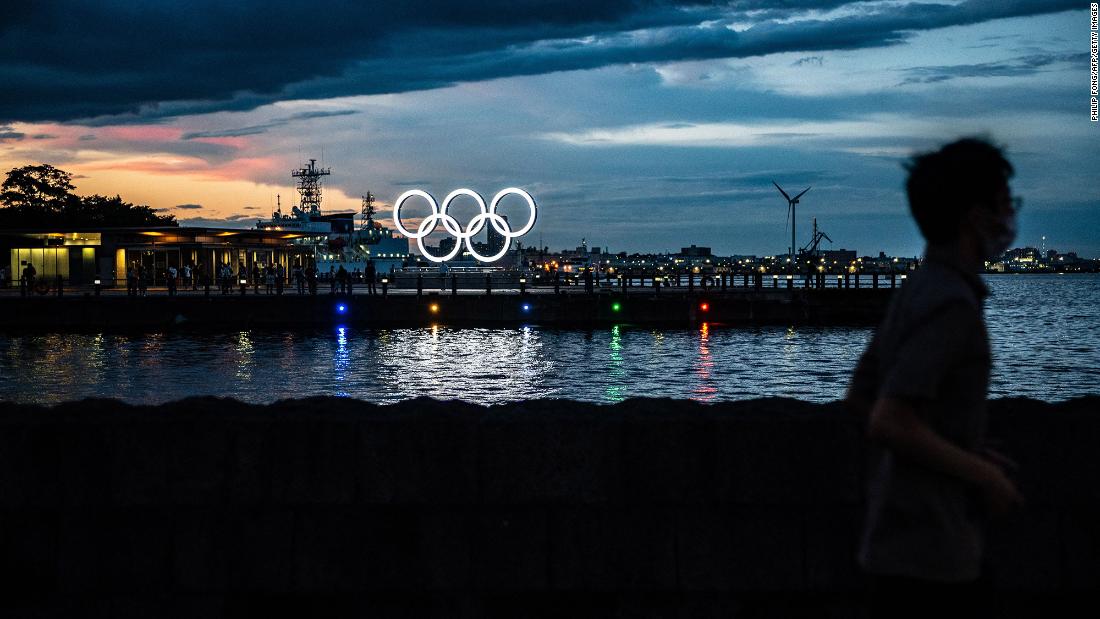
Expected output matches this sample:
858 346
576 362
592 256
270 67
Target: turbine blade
781 191
804 191
787 221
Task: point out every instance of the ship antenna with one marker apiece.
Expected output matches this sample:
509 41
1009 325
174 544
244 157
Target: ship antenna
367 211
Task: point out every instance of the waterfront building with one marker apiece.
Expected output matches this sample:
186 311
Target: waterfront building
82 256
695 252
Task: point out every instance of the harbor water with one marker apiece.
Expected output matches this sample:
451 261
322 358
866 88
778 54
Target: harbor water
1045 332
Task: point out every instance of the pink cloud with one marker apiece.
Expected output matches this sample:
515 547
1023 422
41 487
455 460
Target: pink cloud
238 142
153 133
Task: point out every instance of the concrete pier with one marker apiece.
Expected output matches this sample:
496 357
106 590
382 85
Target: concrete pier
405 308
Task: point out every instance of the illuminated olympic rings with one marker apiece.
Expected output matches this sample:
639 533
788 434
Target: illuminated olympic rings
439 215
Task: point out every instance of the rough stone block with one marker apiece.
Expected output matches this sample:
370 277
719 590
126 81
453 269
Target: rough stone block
613 548
312 461
330 550
1023 550
28 554
510 550
246 479
420 454
446 548
203 545
139 463
260 549
786 458
29 459
199 457
114 551
84 465
752 548
667 453
1079 545
570 456
832 534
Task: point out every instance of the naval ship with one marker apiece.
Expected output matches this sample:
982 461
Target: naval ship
335 238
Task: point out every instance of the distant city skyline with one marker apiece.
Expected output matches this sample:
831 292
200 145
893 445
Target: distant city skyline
643 127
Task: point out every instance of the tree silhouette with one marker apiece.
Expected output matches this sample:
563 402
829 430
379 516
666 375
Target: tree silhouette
40 196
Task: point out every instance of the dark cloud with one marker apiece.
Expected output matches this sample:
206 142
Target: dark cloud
43 136
818 60
1023 65
188 206
7 133
262 128
87 137
169 59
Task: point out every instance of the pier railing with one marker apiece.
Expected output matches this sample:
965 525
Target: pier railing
472 281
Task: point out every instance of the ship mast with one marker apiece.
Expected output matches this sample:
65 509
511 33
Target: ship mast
367 211
309 186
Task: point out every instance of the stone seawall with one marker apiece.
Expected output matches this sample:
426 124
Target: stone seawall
649 508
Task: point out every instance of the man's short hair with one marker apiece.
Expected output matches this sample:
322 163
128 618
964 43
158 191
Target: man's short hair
943 185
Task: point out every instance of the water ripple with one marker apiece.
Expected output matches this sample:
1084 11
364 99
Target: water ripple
1044 330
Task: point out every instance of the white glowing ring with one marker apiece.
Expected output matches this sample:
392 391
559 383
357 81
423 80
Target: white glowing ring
506 231
440 215
421 233
397 213
457 231
479 220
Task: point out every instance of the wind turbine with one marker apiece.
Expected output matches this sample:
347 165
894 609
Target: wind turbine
791 202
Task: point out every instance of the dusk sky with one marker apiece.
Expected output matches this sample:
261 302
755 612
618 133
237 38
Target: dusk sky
640 126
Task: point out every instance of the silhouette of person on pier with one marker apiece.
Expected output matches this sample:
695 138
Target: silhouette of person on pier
922 383
371 276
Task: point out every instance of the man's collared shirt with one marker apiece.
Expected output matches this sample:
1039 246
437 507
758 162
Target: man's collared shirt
932 350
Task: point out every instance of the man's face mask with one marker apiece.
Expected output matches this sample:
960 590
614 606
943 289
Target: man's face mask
997 231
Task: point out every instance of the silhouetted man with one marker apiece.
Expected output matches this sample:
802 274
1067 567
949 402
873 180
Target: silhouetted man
922 383
372 275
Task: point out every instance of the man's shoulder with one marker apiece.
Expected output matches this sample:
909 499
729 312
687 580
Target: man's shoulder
935 286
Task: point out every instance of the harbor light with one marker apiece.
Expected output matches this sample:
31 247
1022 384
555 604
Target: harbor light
341 308
616 307
98 281
526 307
704 307
434 308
